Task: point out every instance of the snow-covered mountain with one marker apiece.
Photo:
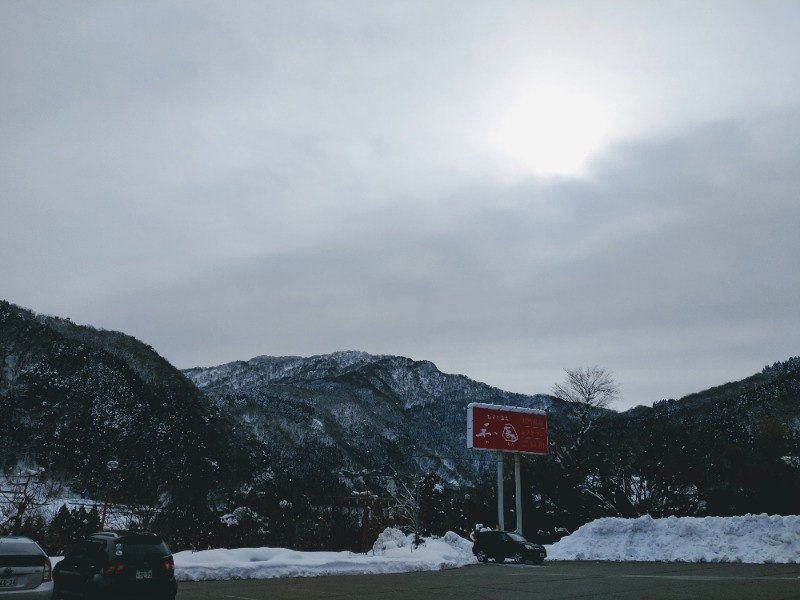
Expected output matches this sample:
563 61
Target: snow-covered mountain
349 412
256 433
73 397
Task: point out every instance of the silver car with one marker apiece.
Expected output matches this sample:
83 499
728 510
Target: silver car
25 570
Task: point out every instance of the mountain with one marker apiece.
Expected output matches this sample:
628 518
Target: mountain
341 415
73 398
729 450
279 440
352 419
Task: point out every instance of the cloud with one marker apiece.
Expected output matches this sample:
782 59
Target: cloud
227 181
656 268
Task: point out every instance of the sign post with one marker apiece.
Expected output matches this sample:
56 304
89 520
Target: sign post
501 519
507 429
518 491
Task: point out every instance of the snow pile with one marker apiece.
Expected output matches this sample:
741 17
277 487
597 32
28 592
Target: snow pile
390 539
746 539
394 552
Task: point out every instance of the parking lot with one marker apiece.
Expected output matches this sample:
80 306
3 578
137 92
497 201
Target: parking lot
553 580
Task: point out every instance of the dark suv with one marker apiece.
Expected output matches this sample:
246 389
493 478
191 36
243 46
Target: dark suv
501 545
115 565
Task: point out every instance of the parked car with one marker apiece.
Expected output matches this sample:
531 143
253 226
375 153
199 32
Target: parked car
501 545
25 570
112 565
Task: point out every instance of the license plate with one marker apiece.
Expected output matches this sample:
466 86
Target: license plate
8 582
142 574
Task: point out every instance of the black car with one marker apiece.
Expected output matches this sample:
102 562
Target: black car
501 545
116 565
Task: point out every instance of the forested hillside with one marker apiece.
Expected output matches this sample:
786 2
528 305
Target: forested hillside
324 452
730 450
73 398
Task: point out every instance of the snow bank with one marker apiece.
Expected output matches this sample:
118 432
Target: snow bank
393 552
746 539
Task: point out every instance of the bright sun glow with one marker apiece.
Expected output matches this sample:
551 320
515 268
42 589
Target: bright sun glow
550 130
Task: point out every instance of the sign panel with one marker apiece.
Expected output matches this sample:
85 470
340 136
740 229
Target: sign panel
506 428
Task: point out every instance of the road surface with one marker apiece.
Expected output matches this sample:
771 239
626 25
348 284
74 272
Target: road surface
550 581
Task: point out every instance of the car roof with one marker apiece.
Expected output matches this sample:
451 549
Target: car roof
138 536
115 533
487 532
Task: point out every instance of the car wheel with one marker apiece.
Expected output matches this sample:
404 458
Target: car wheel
519 558
481 556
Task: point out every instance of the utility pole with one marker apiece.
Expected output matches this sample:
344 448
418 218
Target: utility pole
110 468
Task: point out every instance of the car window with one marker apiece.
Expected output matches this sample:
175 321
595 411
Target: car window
20 554
19 548
87 549
517 537
140 546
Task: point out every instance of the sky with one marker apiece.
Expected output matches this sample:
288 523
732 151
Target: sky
507 188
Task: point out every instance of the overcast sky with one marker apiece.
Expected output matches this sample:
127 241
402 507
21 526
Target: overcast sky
504 188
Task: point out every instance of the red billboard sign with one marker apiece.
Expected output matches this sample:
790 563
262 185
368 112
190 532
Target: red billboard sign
506 428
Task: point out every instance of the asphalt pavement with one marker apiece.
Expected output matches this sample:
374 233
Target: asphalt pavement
550 581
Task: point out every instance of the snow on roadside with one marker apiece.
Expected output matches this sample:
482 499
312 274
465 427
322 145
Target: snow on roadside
746 539
393 553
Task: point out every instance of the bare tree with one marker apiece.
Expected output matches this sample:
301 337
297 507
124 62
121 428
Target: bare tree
583 490
586 390
406 505
24 492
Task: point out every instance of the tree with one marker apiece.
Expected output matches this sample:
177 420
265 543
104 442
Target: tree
24 491
60 533
405 507
576 476
586 391
433 506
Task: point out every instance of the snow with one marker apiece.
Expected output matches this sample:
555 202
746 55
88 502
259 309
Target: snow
745 539
393 552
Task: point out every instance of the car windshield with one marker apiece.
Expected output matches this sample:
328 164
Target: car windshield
516 537
20 554
19 548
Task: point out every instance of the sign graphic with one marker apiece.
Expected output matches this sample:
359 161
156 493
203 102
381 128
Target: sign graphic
506 428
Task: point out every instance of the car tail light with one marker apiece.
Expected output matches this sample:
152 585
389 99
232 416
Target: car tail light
115 568
47 573
169 565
